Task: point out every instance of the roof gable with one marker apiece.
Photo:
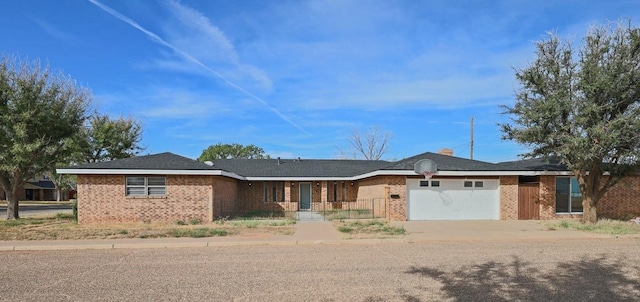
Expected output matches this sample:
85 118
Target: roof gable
444 162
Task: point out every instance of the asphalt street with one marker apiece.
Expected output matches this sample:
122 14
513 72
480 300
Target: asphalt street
32 210
529 270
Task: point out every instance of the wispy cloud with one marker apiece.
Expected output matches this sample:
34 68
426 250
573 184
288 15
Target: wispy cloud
154 37
53 30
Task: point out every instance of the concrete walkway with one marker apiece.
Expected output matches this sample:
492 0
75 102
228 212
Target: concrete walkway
323 232
315 231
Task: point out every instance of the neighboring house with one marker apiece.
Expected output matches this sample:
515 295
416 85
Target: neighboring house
168 187
39 188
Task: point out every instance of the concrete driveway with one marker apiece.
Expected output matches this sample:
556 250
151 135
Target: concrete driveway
483 230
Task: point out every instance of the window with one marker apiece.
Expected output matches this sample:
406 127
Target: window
425 183
468 184
146 186
568 195
282 184
266 191
344 191
479 184
274 190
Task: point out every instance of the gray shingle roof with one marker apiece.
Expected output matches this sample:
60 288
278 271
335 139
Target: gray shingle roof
535 164
444 162
315 167
298 168
161 161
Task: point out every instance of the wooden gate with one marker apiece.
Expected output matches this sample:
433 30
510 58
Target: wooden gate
528 201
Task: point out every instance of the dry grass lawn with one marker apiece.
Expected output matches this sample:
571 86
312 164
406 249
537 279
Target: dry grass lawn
368 229
603 226
63 226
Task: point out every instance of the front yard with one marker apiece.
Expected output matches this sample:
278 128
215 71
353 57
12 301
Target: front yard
603 226
63 226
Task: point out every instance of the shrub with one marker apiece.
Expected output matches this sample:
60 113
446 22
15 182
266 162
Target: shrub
345 229
195 221
181 222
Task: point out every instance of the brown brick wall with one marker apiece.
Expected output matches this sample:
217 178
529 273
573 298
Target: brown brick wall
251 198
225 194
101 198
508 197
374 188
547 197
622 200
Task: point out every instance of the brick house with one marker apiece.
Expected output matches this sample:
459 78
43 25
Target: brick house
168 187
39 188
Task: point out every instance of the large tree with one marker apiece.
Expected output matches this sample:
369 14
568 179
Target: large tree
101 139
39 112
583 107
105 138
371 145
226 151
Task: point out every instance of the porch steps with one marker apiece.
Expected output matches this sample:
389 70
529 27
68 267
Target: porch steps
303 216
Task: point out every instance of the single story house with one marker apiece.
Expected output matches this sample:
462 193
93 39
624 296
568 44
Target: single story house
39 188
169 187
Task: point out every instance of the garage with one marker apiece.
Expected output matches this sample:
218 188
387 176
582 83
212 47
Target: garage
453 199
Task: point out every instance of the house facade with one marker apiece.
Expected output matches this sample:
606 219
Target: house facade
168 187
39 188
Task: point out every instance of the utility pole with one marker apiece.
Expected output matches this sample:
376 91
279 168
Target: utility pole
471 143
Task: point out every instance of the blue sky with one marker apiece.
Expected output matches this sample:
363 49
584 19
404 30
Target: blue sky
297 77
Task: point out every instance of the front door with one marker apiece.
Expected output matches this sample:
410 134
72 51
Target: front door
528 202
305 196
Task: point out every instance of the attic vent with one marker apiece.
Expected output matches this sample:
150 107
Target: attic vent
208 163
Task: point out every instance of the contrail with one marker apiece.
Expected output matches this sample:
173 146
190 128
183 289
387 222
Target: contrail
187 56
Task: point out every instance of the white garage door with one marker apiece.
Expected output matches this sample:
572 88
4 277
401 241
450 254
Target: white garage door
453 199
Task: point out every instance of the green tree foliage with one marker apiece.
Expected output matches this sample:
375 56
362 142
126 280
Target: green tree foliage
226 151
106 139
39 113
583 107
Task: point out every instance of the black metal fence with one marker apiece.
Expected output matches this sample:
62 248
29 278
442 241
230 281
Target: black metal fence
357 209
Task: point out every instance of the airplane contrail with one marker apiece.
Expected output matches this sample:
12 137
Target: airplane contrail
189 57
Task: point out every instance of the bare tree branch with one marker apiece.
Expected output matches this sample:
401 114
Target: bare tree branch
372 145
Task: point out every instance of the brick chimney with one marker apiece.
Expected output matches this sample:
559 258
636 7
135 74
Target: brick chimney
446 151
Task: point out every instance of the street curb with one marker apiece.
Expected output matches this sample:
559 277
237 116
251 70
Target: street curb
191 244
159 245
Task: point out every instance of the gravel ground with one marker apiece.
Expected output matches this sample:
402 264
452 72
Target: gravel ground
551 270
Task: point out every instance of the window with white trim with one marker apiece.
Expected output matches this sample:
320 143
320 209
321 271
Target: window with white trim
146 186
568 195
